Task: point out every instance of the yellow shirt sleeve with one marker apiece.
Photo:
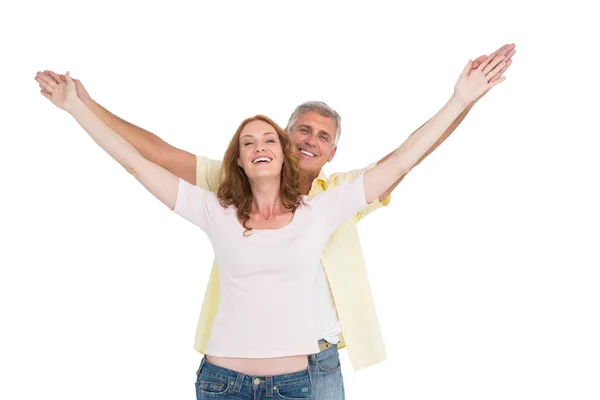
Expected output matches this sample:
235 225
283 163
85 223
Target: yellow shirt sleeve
207 173
341 177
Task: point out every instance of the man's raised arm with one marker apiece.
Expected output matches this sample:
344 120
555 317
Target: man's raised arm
179 162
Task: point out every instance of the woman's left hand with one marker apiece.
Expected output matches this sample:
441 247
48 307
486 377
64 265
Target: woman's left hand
472 83
63 94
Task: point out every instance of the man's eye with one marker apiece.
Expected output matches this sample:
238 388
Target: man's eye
325 138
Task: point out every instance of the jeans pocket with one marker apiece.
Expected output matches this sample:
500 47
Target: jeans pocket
299 390
209 385
329 362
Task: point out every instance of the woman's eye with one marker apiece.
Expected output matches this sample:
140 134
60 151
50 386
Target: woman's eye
270 141
246 144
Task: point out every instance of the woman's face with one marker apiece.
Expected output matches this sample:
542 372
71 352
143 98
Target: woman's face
261 155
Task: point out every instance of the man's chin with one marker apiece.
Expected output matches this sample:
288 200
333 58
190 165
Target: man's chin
308 165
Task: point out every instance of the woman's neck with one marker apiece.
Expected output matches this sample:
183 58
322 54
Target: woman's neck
266 201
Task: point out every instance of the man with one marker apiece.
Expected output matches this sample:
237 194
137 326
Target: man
342 288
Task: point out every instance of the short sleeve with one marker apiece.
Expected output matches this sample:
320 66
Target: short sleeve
195 204
207 173
341 202
375 204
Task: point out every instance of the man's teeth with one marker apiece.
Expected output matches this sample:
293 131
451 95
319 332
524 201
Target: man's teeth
259 159
306 153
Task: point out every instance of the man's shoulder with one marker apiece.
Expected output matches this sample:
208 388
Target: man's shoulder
207 171
338 178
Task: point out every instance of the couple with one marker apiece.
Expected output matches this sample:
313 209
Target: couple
283 239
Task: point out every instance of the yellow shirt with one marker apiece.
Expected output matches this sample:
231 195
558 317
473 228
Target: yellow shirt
344 267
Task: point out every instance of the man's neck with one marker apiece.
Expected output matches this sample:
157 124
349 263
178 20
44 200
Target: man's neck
307 178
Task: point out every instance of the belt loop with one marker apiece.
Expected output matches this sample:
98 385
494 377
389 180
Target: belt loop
200 368
238 382
269 386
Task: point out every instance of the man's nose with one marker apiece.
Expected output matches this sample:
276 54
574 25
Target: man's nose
311 141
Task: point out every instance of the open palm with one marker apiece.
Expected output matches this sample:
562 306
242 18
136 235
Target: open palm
473 82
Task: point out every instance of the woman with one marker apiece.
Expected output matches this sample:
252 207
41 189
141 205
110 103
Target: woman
268 238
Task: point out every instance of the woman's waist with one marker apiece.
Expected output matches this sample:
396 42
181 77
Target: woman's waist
257 367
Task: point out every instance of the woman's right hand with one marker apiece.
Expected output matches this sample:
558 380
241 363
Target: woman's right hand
49 79
474 82
62 94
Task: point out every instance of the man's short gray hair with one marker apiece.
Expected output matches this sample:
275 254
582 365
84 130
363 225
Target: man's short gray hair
320 108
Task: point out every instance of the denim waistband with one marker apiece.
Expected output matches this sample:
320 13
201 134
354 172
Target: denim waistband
238 379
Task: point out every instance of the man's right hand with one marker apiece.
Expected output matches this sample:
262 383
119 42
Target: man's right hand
49 79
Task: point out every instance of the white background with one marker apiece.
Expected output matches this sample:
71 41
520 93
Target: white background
485 266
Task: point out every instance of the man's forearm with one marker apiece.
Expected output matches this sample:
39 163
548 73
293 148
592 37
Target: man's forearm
441 140
379 179
160 182
104 135
146 143
419 144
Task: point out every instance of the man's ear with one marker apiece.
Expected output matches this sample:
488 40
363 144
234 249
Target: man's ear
332 154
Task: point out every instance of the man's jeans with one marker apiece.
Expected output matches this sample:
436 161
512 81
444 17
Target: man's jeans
326 375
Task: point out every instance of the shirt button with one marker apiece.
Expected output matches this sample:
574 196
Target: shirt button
256 381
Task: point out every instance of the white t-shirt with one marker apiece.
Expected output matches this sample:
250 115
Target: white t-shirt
269 279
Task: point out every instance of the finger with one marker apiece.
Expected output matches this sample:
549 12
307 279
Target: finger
46 95
497 60
495 71
56 76
479 60
511 53
44 85
486 62
68 77
499 81
48 79
502 71
52 75
506 48
503 50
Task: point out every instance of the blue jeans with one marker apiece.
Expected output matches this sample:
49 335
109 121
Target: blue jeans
215 382
322 381
326 375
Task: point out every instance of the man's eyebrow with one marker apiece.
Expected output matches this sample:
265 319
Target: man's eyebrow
311 128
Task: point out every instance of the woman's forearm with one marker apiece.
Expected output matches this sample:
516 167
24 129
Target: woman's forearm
403 159
117 147
415 146
160 182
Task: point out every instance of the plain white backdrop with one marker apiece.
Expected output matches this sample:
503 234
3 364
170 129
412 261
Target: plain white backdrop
485 266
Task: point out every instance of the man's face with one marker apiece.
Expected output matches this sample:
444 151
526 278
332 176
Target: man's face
312 137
